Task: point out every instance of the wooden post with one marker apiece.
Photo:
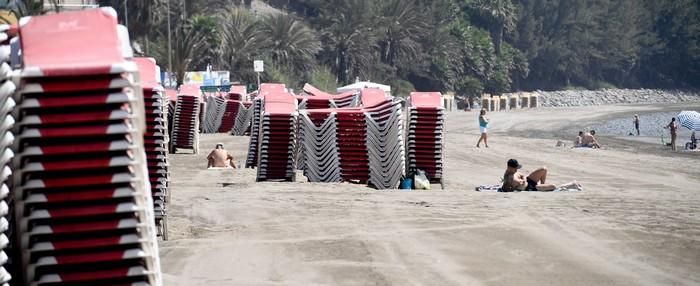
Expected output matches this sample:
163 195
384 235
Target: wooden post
514 101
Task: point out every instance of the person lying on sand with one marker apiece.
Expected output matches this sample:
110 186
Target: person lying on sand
589 140
220 158
513 180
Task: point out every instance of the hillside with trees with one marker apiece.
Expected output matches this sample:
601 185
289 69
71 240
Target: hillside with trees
466 46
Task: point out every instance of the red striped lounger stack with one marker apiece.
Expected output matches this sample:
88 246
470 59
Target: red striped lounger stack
362 144
156 139
7 105
83 205
277 142
424 138
265 88
186 119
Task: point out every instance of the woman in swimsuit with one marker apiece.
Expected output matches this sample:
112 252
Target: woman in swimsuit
483 123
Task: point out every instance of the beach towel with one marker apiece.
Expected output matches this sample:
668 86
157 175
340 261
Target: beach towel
488 188
497 188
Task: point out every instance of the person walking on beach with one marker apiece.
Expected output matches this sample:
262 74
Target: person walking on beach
673 126
636 123
483 124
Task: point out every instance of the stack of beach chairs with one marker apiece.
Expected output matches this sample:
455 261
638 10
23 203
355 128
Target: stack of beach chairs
319 99
229 116
244 116
186 118
215 108
82 202
424 136
265 88
224 111
385 143
363 144
7 105
318 145
171 99
237 92
156 140
237 114
277 139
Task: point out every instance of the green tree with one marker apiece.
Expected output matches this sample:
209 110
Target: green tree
242 40
673 60
348 37
206 27
187 43
291 45
500 16
323 78
402 26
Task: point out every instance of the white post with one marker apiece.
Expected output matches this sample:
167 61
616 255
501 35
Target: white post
259 67
126 14
170 45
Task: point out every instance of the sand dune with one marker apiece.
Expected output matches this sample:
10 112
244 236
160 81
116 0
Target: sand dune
636 223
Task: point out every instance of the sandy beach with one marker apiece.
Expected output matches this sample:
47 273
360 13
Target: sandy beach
637 222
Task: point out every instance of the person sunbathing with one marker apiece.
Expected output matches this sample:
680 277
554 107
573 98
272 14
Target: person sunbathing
513 180
220 158
588 140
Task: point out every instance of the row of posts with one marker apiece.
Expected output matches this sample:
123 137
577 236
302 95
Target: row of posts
509 101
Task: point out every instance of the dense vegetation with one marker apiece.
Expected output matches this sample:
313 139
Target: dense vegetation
467 46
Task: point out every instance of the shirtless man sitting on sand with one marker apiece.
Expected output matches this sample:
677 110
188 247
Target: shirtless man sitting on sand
220 158
588 140
513 180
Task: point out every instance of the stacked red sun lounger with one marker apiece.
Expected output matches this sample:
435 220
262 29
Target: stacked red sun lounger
362 144
424 140
318 145
230 113
277 142
244 117
155 139
320 99
83 206
215 108
238 113
237 92
7 105
186 118
265 88
171 99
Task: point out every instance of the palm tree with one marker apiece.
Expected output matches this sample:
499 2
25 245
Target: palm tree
501 16
242 40
439 66
17 9
207 27
402 25
292 44
187 42
349 37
